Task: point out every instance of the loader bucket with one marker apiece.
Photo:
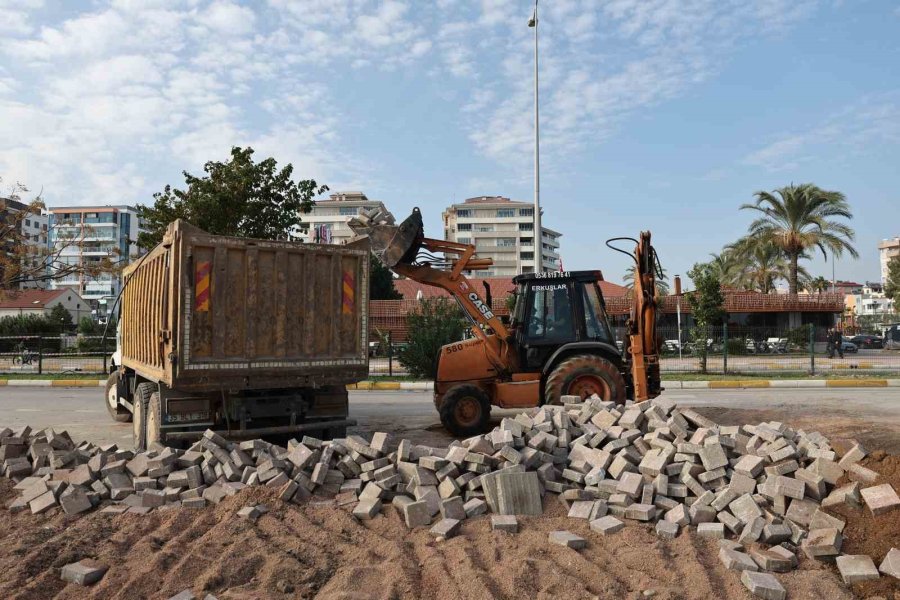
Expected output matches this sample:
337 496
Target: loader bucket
392 244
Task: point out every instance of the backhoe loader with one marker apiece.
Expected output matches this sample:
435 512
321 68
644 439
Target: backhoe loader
557 342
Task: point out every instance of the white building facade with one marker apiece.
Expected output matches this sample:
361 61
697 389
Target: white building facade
33 230
327 222
502 230
888 249
86 235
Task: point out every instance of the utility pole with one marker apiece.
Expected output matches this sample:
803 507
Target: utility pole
538 232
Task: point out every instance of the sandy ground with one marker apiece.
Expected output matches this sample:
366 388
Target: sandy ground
318 550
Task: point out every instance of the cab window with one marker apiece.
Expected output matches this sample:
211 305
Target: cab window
550 314
596 326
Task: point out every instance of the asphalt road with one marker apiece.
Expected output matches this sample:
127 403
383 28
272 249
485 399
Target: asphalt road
870 414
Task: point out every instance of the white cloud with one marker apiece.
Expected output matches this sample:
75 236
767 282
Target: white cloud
871 122
228 18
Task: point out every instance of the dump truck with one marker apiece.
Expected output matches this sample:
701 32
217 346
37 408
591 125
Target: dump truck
557 343
247 337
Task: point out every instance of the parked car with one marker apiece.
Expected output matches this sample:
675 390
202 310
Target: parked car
848 347
867 341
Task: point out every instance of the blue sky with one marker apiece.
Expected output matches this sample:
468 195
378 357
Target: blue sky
656 114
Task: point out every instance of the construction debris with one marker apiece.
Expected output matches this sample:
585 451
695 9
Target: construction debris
84 572
767 487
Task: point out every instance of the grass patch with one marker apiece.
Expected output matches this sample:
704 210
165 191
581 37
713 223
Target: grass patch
53 376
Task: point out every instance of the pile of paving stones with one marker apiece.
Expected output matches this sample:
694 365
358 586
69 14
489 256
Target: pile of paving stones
762 490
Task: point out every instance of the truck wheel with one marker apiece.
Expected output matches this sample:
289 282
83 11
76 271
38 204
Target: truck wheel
154 420
584 375
139 421
118 412
465 410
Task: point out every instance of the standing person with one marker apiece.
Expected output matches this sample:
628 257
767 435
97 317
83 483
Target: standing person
839 342
829 342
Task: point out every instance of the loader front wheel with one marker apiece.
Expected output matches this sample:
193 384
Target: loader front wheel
118 412
585 375
465 410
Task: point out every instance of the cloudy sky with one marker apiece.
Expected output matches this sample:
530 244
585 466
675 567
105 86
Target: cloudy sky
656 114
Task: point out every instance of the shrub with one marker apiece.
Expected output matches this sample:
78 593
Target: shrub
437 322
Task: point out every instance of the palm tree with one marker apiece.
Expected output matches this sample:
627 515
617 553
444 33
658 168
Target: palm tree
818 284
801 218
727 267
762 264
662 288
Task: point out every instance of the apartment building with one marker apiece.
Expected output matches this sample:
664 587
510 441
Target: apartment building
327 222
888 249
85 235
502 230
33 231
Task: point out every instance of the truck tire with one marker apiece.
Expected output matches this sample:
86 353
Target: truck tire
465 410
584 375
154 420
118 412
139 421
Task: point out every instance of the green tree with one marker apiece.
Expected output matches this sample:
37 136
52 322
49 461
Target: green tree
381 281
437 322
818 285
801 218
61 317
727 267
238 197
762 264
707 306
892 282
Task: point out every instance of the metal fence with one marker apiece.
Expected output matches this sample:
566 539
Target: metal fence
55 354
726 349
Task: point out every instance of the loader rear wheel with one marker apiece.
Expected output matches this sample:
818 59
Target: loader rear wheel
584 375
118 412
142 395
465 410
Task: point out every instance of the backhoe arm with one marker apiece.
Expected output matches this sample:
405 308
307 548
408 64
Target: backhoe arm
642 343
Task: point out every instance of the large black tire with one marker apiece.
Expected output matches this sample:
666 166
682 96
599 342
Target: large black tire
465 410
139 421
584 375
118 412
154 420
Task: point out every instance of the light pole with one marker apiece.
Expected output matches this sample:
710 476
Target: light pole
538 233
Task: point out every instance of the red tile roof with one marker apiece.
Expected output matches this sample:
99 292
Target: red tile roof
28 298
501 287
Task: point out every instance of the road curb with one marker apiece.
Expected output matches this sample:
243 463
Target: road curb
378 386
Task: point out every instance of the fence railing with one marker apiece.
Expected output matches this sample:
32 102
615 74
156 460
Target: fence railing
46 354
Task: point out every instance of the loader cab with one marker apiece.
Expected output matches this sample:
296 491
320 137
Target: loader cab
555 309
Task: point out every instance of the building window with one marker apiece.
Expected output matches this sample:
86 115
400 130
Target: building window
464 240
347 211
506 213
526 226
484 228
464 212
464 227
526 212
506 242
28 222
527 255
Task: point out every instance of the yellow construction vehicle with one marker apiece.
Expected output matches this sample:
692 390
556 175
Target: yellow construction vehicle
557 341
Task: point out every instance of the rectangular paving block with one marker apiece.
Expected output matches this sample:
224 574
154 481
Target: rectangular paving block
666 529
367 509
822 543
855 568
453 508
507 523
416 514
763 585
607 525
84 572
446 528
891 564
567 539
737 561
518 494
250 513
475 507
640 512
770 559
714 531
880 499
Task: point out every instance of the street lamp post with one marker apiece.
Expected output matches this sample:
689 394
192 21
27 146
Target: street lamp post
538 232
